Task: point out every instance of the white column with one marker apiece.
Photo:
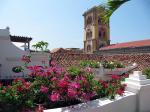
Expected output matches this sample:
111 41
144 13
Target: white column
140 85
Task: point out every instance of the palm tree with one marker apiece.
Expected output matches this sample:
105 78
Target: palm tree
35 46
41 45
110 7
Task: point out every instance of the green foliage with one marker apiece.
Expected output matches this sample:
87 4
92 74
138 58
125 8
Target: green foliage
112 64
110 7
74 70
41 46
17 69
87 63
147 73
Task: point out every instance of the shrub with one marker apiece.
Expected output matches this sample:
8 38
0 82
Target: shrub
112 64
147 73
74 70
92 64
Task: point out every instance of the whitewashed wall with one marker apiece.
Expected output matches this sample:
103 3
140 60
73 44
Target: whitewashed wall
124 103
10 56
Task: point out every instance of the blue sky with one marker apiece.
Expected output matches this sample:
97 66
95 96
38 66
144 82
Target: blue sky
60 22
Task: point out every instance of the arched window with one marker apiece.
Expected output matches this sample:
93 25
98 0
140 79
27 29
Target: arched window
89 48
89 35
89 20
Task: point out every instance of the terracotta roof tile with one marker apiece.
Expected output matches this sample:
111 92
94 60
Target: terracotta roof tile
132 44
67 59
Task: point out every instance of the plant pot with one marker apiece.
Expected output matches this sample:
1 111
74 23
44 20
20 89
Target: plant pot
17 69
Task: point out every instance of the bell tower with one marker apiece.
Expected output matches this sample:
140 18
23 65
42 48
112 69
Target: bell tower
96 32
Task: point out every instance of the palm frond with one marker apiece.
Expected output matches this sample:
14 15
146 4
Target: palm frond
111 6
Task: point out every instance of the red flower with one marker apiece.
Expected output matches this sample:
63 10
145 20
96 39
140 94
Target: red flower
63 83
54 96
1 84
71 93
101 81
19 80
27 85
74 85
26 58
115 77
120 91
53 63
105 85
53 79
19 88
43 89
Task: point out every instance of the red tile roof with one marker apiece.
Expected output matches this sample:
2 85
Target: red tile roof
132 44
67 59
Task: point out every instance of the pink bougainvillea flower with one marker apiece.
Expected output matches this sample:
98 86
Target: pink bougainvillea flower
35 70
101 81
71 93
27 85
87 96
1 84
26 58
105 85
115 77
19 80
74 85
20 88
120 91
53 63
53 79
63 83
54 97
44 89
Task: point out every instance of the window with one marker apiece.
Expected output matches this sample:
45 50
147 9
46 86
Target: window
88 48
89 20
89 35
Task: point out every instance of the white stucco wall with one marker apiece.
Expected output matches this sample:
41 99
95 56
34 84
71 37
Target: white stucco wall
7 51
10 56
124 103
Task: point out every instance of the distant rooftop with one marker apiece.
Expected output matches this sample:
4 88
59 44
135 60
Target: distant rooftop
20 38
133 44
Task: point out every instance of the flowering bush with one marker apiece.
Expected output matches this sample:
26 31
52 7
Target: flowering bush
52 85
112 64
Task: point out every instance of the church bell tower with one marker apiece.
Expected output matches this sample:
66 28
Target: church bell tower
96 32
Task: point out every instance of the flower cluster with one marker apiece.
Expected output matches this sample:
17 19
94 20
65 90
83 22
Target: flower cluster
26 58
55 84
